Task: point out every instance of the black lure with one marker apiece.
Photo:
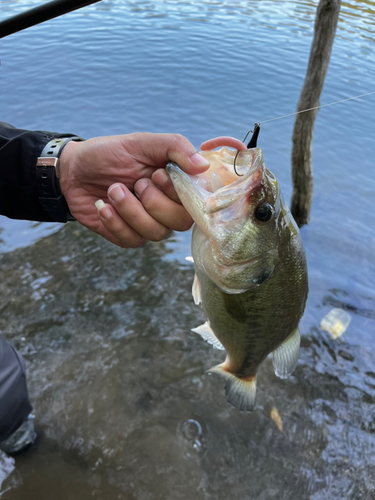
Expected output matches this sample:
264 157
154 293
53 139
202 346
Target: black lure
251 144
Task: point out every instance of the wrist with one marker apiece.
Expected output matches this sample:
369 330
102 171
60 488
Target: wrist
66 166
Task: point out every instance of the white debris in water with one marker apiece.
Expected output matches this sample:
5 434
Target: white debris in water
336 322
189 259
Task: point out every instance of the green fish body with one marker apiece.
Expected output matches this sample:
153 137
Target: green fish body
251 272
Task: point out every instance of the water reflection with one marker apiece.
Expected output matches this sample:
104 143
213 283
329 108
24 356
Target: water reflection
18 234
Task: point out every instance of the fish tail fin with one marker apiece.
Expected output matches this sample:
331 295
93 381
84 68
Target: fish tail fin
241 391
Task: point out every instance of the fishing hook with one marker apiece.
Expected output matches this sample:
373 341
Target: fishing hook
252 143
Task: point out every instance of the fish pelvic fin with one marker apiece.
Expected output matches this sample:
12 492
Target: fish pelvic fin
285 357
196 291
206 332
240 391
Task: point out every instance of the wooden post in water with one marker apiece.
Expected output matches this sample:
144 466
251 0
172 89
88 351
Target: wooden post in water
325 27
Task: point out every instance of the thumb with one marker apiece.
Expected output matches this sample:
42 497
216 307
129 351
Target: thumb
162 148
186 156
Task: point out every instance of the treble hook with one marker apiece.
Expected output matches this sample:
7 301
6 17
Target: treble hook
252 143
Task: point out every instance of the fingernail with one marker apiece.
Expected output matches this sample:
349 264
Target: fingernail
103 209
140 186
199 161
116 192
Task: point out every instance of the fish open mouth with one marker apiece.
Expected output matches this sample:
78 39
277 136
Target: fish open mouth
232 175
228 167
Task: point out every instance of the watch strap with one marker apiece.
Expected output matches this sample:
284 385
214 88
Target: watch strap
47 177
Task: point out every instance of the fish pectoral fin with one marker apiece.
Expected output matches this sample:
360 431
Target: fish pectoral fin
285 357
206 332
196 291
241 392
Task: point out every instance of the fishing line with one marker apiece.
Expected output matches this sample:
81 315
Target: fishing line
316 107
297 113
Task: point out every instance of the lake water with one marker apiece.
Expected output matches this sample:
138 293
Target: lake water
123 407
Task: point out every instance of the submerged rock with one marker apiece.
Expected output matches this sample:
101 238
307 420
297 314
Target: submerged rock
123 406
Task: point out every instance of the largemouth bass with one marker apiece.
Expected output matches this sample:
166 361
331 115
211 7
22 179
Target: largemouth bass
250 265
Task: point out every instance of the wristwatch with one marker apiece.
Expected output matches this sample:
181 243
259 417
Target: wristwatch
47 176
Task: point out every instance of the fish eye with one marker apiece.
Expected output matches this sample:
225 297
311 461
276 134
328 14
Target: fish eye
264 212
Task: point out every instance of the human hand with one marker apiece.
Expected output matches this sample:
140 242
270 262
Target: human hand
126 172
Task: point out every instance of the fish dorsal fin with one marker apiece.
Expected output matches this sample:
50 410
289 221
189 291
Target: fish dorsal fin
240 391
196 291
285 357
206 332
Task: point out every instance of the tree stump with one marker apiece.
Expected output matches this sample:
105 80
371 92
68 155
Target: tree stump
324 33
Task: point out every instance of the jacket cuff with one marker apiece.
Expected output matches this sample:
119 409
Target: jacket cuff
19 150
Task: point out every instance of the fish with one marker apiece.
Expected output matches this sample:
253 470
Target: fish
250 265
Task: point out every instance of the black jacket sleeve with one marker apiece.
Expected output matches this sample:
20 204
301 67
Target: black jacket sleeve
19 150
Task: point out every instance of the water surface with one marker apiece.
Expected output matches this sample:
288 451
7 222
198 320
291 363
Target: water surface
122 404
